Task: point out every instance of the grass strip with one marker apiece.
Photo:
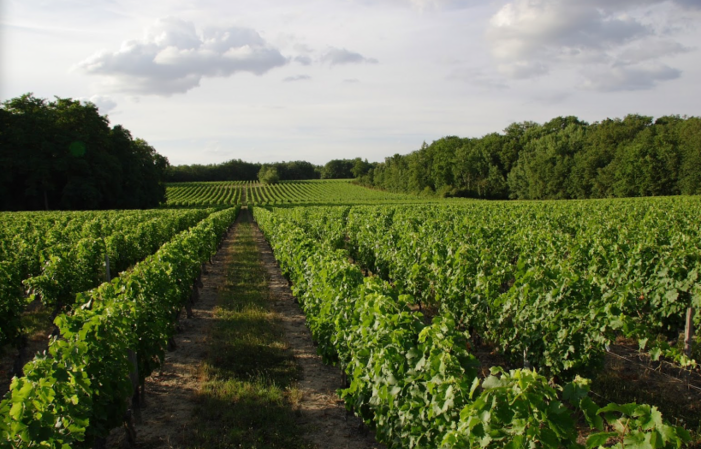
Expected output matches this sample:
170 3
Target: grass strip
249 392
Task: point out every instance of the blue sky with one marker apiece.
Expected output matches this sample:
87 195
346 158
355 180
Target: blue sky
205 81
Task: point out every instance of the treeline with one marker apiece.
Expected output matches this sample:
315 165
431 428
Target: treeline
345 168
563 158
63 154
238 170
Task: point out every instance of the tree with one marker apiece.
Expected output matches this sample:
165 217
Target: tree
268 175
63 154
690 148
338 169
360 167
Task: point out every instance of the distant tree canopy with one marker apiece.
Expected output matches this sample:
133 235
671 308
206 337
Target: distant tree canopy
234 170
238 170
345 168
563 158
268 174
337 169
63 154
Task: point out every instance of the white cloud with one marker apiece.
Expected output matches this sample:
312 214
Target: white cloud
689 4
630 78
337 56
303 48
303 59
173 57
104 103
523 69
441 4
651 50
423 5
479 78
527 29
532 38
297 78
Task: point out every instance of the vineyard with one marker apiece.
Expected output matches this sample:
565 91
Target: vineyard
110 334
209 194
205 194
456 323
554 283
548 285
54 256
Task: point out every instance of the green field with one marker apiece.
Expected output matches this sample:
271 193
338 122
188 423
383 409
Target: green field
458 323
311 192
558 281
400 295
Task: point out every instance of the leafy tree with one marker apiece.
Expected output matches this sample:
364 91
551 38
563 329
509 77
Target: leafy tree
360 167
338 169
690 151
63 154
268 175
238 170
563 158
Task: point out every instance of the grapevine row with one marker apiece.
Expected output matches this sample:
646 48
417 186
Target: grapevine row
56 255
204 194
555 282
78 391
417 383
283 193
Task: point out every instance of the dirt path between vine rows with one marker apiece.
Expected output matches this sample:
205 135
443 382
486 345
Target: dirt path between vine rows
171 394
322 411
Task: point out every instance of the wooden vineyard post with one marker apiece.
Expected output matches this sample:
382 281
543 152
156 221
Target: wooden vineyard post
133 401
689 331
526 362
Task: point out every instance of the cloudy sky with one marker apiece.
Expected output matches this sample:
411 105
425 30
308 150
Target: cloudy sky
205 81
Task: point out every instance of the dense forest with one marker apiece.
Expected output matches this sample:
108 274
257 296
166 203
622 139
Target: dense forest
238 170
63 154
563 158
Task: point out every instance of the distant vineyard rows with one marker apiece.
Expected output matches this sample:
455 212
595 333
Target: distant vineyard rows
209 194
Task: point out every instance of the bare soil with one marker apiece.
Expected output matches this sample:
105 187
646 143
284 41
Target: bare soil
321 410
170 394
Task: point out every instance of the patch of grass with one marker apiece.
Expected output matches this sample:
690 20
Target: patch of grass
249 392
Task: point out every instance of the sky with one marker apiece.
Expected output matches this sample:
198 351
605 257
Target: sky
207 81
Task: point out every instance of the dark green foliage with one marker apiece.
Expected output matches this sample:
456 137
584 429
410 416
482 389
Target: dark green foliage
78 391
268 175
361 167
338 169
55 255
64 155
561 159
554 280
417 383
238 170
